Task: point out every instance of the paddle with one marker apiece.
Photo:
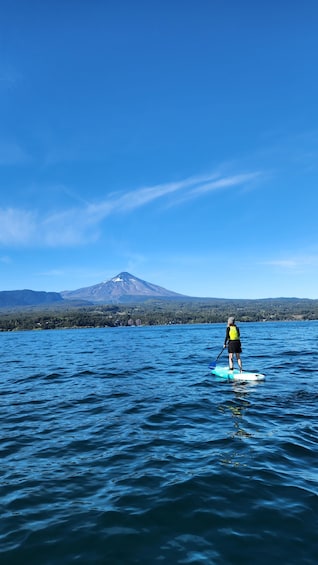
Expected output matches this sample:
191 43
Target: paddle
213 364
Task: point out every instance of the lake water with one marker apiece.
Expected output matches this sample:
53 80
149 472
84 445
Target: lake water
119 447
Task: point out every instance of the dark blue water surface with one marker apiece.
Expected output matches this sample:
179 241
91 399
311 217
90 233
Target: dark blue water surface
118 446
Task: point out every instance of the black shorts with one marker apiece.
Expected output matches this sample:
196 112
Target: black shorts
234 346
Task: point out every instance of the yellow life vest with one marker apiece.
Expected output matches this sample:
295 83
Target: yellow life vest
234 333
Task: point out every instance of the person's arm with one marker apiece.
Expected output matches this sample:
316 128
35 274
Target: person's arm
227 336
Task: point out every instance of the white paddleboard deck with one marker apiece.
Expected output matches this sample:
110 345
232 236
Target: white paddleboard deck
235 375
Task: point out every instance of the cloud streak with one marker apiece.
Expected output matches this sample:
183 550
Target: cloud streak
298 263
226 182
76 226
17 227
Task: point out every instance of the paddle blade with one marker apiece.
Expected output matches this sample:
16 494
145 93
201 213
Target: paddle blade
213 364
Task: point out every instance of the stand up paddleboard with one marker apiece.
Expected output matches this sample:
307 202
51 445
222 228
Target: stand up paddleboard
235 375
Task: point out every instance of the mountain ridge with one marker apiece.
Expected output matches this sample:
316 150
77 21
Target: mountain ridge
124 288
26 297
121 288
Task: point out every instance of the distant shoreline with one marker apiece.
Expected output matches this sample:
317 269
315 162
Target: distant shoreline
157 313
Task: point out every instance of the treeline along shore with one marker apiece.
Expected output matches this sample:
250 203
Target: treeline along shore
157 312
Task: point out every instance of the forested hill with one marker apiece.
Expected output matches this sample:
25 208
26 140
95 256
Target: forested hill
156 312
21 298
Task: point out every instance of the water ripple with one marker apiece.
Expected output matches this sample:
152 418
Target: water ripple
122 448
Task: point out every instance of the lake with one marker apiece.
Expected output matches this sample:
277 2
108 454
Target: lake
118 446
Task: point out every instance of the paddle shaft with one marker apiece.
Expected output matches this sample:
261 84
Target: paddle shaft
213 364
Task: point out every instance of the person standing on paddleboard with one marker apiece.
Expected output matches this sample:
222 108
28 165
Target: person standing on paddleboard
233 343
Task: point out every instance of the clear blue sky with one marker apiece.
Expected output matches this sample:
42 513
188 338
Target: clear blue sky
174 139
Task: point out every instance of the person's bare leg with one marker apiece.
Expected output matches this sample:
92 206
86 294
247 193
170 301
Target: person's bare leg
239 361
231 361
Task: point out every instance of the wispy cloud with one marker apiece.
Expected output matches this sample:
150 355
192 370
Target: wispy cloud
226 182
17 227
82 224
191 186
284 263
132 200
296 263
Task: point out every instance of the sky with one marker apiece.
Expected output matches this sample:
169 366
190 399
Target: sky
173 139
